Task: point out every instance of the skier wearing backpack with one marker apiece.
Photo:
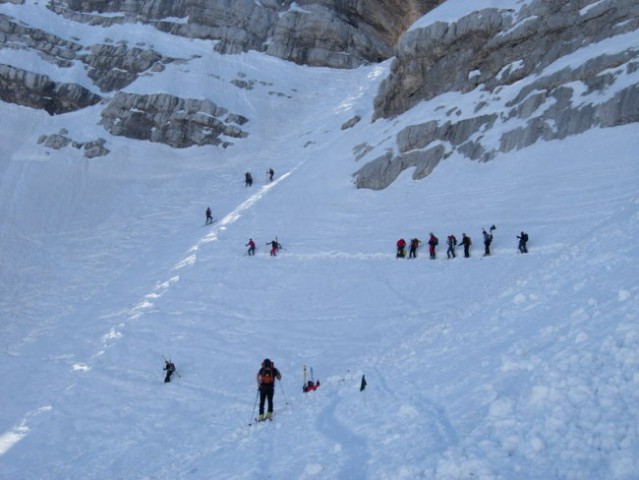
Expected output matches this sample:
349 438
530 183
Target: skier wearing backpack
466 242
401 245
523 240
488 239
433 241
275 246
169 366
266 377
452 243
414 245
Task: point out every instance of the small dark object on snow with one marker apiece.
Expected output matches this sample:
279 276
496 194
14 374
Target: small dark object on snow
170 369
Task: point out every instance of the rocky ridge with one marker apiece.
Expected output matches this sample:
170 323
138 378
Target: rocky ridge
498 51
313 32
508 60
333 33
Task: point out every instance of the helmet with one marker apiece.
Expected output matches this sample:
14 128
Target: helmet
266 363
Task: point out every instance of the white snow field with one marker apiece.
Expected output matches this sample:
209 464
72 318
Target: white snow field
505 367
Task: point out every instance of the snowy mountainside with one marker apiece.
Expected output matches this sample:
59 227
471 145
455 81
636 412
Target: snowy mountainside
500 367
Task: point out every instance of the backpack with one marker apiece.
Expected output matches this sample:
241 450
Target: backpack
524 237
267 376
435 241
470 242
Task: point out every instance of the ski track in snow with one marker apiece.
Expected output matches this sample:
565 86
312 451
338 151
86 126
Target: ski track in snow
116 332
350 449
148 302
20 431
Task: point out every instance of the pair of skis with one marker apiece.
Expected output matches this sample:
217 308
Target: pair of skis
257 420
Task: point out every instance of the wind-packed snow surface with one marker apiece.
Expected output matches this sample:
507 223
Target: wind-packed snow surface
510 366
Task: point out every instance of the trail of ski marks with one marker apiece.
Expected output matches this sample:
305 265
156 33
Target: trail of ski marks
12 437
149 300
349 447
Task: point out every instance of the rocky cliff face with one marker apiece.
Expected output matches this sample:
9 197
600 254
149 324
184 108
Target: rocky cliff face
520 66
334 33
515 54
39 91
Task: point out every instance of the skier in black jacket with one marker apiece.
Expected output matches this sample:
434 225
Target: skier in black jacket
170 369
466 242
523 240
266 377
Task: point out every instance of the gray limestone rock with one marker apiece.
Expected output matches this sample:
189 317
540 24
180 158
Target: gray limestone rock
113 67
491 49
39 91
334 33
95 148
171 120
351 123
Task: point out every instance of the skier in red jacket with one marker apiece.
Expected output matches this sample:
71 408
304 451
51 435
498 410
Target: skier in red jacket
401 245
251 245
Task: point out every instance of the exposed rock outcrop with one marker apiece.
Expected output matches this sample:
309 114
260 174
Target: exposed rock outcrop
331 33
485 47
513 55
352 122
60 140
171 120
112 67
39 91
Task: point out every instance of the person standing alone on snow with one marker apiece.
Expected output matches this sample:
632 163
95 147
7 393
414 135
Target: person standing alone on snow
266 377
209 216
170 369
270 172
523 240
248 179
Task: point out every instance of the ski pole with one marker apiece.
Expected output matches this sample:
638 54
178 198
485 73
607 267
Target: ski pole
257 394
283 394
304 384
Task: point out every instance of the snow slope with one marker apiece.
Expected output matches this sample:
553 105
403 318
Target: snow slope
501 367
